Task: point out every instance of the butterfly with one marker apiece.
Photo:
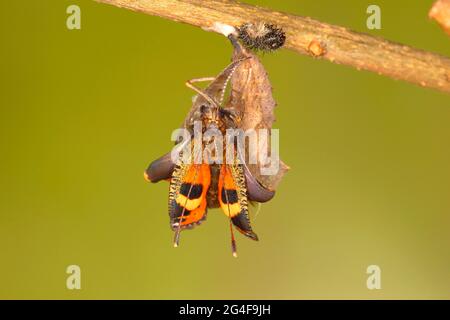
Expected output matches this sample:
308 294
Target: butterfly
197 186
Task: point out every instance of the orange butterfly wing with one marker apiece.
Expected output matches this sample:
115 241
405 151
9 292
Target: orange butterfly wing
233 198
187 195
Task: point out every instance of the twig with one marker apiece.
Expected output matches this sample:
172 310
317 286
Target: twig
441 13
311 37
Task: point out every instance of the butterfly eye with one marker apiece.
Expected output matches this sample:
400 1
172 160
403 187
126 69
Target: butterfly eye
206 110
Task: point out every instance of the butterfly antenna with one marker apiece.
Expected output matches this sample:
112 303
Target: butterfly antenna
233 240
176 238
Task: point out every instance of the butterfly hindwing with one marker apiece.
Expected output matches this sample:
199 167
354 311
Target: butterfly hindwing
187 195
233 198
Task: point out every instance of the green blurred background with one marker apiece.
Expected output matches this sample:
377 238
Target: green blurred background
83 113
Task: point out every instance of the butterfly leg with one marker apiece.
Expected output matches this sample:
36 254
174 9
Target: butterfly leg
190 85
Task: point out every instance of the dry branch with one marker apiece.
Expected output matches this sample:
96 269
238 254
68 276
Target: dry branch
311 37
441 13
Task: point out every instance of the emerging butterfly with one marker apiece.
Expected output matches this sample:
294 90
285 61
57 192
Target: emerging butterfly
194 187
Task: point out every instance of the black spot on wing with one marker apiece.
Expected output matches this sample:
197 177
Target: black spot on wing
229 196
191 191
176 211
